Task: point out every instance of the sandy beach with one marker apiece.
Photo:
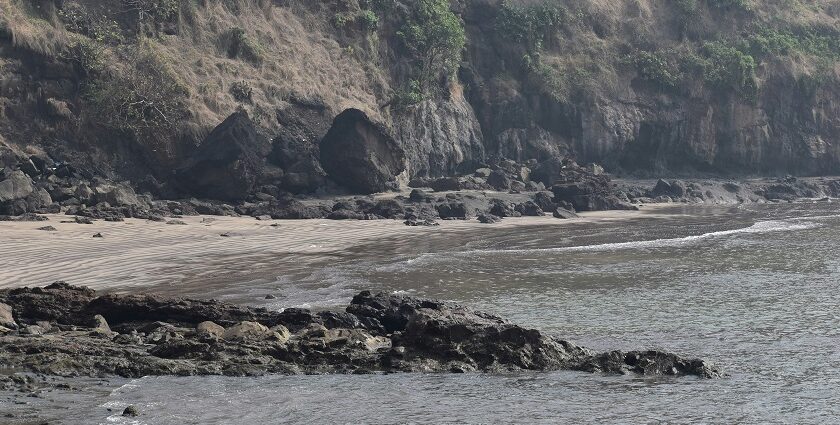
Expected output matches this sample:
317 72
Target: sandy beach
137 254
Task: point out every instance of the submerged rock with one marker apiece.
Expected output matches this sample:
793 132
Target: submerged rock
377 332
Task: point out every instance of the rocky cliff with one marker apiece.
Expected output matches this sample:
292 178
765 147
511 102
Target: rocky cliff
133 89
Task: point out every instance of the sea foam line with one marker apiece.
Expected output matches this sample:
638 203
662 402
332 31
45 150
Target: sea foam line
759 227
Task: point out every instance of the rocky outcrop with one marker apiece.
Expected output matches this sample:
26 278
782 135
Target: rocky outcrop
439 137
361 155
70 331
228 163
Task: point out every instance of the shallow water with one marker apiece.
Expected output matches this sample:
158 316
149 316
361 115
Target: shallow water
754 289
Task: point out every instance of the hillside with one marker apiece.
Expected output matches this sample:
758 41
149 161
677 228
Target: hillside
131 89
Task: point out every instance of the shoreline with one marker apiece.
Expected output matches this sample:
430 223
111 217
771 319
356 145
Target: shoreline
138 254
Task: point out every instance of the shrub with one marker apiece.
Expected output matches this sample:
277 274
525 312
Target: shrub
731 4
368 20
144 99
241 91
87 56
656 69
240 45
412 94
726 67
529 24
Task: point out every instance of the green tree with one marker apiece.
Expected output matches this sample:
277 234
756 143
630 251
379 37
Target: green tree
434 37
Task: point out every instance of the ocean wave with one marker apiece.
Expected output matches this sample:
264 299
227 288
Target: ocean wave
760 227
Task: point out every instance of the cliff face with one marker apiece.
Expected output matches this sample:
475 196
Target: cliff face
659 87
131 88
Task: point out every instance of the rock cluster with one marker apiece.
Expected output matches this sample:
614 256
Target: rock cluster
72 331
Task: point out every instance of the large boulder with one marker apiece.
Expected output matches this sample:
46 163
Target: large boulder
295 148
15 185
115 194
361 155
228 163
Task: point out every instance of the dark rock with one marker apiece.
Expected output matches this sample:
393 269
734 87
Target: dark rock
453 210
360 155
675 189
418 195
545 200
499 180
229 161
115 194
48 229
445 184
589 195
564 213
295 151
377 332
503 209
98 235
529 209
131 411
387 208
489 218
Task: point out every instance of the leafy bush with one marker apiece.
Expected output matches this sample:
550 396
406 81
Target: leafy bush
726 67
87 56
368 20
731 4
529 24
412 94
656 69
434 38
240 45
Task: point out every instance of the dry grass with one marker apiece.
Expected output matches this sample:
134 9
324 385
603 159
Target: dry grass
299 58
32 28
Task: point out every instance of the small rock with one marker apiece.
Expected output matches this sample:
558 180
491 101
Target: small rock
101 326
98 235
483 172
176 222
564 213
247 331
48 229
281 333
264 218
489 218
83 220
270 297
32 330
131 411
210 328
6 317
225 235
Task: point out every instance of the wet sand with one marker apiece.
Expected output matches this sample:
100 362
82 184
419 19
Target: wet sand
138 254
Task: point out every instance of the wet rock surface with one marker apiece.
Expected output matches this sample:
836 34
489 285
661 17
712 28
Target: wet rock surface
64 330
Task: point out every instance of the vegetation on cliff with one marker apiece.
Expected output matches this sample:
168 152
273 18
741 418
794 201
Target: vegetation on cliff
602 79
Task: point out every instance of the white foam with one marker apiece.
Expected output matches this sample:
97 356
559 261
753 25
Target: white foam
760 227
